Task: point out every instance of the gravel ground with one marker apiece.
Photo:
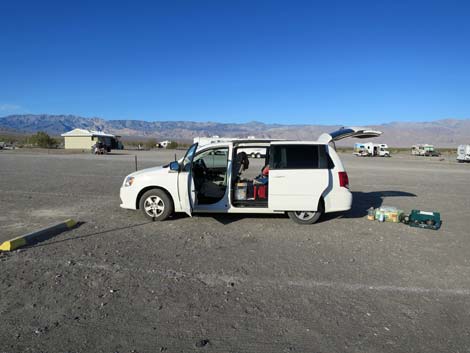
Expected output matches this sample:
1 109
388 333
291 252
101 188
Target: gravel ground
230 283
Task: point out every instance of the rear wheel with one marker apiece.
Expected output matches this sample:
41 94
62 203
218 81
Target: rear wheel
307 217
156 205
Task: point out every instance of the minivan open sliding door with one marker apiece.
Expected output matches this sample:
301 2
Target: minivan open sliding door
298 176
186 191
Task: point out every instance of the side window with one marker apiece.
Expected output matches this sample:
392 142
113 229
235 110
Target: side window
214 158
323 157
299 157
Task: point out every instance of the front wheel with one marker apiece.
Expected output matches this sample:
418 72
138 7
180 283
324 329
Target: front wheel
156 205
306 217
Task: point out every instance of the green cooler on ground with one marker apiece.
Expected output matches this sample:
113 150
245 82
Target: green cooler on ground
424 219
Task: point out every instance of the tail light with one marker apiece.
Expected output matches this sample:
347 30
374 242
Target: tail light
343 179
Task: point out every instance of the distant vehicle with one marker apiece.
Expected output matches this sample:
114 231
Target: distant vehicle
165 143
463 153
301 178
424 150
202 141
100 148
255 152
370 149
6 146
434 153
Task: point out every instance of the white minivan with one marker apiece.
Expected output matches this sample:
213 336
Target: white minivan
301 178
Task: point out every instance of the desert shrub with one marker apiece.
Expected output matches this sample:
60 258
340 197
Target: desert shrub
172 145
151 143
43 140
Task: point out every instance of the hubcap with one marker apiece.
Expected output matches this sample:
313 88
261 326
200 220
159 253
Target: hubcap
154 206
304 215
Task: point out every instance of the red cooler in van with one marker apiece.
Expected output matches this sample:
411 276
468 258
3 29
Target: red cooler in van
260 192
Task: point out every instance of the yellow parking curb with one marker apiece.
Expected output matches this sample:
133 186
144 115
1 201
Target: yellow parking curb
41 234
70 223
13 244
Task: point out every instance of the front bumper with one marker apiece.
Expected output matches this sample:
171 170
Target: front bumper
128 197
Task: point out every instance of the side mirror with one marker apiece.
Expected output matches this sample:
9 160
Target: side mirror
175 166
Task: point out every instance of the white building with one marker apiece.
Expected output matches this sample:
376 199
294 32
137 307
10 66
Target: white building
85 139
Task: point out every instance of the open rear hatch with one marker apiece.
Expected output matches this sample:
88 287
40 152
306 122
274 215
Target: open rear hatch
344 132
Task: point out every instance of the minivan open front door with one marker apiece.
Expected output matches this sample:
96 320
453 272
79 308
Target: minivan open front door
186 192
344 132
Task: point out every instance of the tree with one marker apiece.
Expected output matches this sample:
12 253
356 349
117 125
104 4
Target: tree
172 145
151 143
43 140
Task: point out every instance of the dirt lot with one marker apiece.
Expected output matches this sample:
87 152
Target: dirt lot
118 283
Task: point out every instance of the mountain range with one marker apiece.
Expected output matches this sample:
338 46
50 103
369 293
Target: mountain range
443 133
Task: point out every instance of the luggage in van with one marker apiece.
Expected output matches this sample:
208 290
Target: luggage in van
241 191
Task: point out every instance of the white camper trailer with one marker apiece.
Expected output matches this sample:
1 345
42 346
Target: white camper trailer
463 153
370 149
251 152
202 141
424 150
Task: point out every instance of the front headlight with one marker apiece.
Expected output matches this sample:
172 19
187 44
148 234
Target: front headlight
129 181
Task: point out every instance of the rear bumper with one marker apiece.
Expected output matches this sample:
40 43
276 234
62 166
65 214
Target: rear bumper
338 200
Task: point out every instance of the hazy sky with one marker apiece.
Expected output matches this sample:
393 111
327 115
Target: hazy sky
342 62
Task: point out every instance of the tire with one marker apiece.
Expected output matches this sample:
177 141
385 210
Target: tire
156 205
252 155
306 217
258 155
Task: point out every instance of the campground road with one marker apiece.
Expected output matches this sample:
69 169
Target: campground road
231 283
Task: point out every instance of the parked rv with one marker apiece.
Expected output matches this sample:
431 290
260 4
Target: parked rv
202 141
251 152
463 153
424 150
301 178
370 149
